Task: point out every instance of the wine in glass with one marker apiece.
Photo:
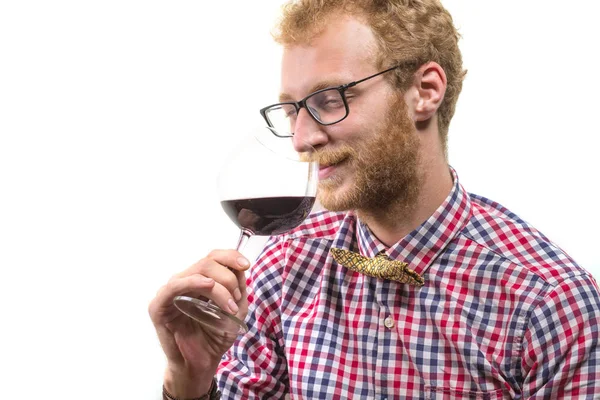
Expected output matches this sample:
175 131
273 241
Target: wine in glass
266 188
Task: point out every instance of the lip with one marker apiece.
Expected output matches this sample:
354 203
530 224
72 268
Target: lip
325 171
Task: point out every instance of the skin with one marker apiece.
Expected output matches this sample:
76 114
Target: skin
344 53
193 352
341 54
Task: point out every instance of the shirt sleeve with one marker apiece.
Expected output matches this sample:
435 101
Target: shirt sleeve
561 353
256 367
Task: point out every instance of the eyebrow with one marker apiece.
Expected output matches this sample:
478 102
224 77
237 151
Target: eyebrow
283 97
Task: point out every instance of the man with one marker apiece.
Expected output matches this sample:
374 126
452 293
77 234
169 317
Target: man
485 307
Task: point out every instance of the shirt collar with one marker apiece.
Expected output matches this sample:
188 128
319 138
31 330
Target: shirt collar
420 247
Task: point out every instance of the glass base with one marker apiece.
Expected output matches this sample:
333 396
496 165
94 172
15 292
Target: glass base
210 316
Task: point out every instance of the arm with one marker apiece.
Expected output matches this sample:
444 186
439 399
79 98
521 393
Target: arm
193 352
561 349
256 366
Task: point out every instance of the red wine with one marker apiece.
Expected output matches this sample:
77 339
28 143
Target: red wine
269 215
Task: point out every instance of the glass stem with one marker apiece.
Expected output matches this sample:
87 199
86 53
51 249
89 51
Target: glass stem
244 236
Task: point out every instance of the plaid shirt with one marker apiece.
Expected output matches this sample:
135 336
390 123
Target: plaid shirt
504 314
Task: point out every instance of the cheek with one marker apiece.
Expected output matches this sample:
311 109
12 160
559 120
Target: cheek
349 130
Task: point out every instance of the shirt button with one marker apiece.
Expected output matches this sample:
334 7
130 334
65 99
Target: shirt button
389 322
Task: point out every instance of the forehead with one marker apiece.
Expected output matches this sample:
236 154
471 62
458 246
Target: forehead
342 53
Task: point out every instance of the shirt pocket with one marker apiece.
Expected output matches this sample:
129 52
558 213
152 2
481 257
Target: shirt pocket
438 393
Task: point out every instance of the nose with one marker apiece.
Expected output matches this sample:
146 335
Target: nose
309 135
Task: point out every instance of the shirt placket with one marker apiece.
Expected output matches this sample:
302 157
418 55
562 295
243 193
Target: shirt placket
385 339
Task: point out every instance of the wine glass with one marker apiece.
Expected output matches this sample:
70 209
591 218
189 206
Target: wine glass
266 188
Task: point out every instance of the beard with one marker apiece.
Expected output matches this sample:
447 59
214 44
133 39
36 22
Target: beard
386 168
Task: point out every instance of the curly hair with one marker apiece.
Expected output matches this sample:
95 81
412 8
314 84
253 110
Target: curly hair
418 31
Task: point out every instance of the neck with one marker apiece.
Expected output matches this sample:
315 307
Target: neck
392 224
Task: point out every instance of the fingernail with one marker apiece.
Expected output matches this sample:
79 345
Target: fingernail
232 306
243 262
237 295
207 280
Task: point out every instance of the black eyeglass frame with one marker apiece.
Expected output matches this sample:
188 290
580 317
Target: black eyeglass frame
302 103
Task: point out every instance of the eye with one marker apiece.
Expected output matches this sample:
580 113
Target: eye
327 100
289 111
334 102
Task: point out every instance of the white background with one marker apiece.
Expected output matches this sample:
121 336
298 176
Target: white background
112 118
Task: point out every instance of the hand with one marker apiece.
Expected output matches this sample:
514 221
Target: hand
194 351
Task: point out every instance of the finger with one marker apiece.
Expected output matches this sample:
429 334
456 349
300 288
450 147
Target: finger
213 266
230 258
161 306
238 264
193 284
224 299
222 275
197 286
242 302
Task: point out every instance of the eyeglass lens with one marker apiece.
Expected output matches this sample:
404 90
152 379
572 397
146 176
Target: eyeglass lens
327 107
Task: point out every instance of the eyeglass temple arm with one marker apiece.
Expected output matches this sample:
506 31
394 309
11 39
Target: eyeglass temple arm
351 84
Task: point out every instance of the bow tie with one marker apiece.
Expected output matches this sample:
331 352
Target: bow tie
380 266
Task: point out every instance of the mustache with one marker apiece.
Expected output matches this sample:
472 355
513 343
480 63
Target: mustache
330 156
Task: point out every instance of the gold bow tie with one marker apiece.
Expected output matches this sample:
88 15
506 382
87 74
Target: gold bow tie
381 266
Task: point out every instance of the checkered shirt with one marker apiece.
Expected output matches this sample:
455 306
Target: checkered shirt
504 314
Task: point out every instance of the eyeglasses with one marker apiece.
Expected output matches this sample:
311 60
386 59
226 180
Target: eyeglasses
326 106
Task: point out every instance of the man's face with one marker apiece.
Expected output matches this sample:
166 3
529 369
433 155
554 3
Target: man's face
369 160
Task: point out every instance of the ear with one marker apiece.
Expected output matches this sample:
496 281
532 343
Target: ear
430 84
